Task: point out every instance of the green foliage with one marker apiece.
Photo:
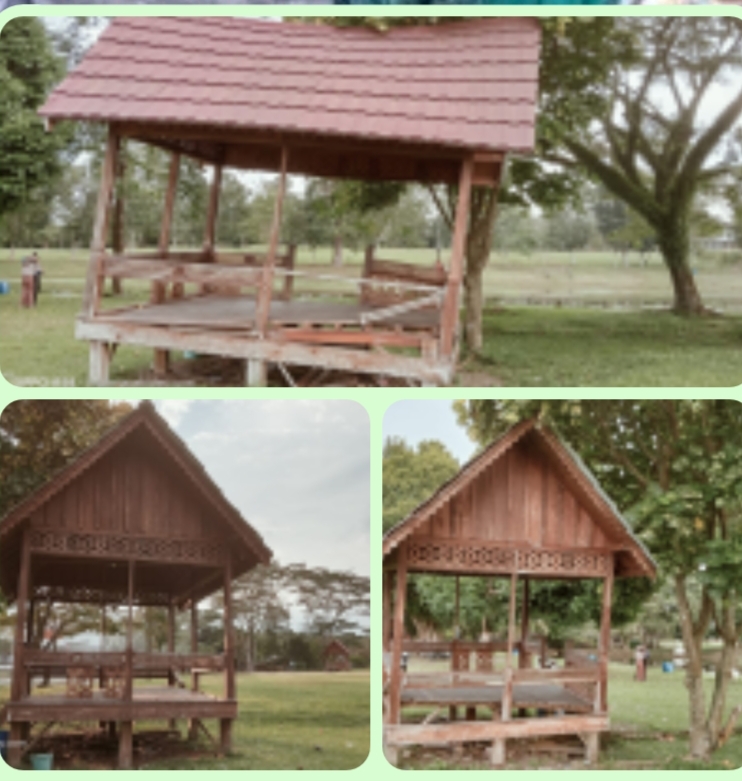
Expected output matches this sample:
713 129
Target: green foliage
29 156
412 475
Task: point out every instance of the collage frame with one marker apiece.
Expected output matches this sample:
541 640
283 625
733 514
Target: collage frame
377 400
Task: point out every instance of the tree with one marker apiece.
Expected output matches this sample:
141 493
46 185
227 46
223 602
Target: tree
567 231
658 141
411 475
675 468
29 156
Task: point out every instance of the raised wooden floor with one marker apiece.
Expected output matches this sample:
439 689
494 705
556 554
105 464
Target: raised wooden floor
149 702
546 696
238 313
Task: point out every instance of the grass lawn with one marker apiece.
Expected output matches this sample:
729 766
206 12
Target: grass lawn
286 721
552 320
649 723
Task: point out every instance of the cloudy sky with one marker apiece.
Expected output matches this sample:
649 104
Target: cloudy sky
297 470
415 421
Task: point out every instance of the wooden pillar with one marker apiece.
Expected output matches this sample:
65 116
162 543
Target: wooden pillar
265 292
18 685
386 611
450 312
161 361
126 728
94 281
524 657
457 610
99 364
210 234
288 284
395 677
163 245
171 679
193 723
225 731
605 633
117 228
30 618
499 745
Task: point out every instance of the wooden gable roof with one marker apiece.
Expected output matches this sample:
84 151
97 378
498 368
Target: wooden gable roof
528 494
232 91
137 493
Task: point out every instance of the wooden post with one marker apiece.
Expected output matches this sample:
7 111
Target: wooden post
524 657
457 611
158 292
288 284
395 678
265 292
450 313
30 619
94 281
117 228
605 634
225 731
229 681
386 610
210 235
18 686
499 746
193 723
126 728
99 364
171 679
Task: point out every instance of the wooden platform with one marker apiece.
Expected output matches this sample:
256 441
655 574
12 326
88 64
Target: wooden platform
238 313
149 702
545 696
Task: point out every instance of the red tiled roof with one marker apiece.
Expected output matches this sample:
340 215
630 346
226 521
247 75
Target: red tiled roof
470 84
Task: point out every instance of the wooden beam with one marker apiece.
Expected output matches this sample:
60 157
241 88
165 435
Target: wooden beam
450 314
605 635
395 676
93 283
18 685
266 285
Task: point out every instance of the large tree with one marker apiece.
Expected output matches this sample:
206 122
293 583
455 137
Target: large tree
29 156
658 141
675 468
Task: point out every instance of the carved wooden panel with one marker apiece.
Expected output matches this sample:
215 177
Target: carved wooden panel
480 556
110 546
80 681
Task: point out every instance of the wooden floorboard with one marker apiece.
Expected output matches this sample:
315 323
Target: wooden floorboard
238 312
543 695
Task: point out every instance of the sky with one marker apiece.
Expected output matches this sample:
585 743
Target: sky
297 470
417 420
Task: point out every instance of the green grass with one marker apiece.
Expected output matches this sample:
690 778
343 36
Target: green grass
649 723
568 347
286 721
588 329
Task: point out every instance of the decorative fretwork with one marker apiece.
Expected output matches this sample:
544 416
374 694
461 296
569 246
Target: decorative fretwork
97 596
428 554
484 661
113 546
460 659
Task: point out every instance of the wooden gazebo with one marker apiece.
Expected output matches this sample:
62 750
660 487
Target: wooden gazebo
526 508
336 656
134 520
435 104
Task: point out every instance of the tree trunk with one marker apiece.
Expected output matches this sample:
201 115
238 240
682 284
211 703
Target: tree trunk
723 671
675 248
337 253
478 246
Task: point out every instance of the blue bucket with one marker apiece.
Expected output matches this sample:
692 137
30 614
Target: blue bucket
4 287
4 736
667 667
42 761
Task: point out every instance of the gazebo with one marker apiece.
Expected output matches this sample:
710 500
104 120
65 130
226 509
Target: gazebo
526 508
134 520
337 656
433 104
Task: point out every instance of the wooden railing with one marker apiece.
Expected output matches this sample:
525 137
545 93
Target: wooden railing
36 660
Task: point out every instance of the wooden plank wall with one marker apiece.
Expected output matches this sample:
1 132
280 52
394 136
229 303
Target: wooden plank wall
128 492
518 500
